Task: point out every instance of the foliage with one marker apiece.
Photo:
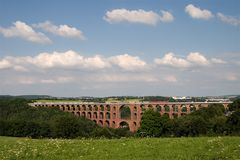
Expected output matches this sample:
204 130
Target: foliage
20 120
233 122
205 121
235 105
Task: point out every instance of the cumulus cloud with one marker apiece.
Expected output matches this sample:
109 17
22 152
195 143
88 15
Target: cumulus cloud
218 61
198 13
61 30
166 16
137 16
192 59
8 64
68 59
127 62
72 60
197 58
171 60
24 31
4 64
229 19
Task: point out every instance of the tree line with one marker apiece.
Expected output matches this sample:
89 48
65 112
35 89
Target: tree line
18 119
211 121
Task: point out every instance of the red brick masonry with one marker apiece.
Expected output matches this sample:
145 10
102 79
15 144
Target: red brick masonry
109 114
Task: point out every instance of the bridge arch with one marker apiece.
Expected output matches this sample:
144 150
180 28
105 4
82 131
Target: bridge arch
108 115
175 108
166 108
192 108
107 123
123 124
101 107
89 115
95 115
125 112
89 107
100 123
108 107
183 108
113 124
95 108
101 115
150 106
142 106
84 107
158 108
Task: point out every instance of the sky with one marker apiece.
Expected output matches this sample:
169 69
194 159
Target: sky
120 47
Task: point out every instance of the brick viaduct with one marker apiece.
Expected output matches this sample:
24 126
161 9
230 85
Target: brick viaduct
110 114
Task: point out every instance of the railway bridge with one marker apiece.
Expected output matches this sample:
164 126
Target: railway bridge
117 115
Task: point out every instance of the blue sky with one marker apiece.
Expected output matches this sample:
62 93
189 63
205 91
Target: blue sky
120 47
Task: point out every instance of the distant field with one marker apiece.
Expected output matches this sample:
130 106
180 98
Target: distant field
57 100
121 149
110 100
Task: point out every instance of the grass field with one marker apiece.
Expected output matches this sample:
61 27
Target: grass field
121 149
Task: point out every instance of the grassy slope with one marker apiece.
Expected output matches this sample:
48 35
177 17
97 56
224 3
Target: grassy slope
121 149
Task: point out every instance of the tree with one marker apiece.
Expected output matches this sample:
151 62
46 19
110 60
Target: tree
150 124
235 105
233 122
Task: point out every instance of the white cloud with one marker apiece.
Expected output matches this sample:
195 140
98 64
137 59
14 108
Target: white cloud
218 61
171 60
137 16
229 19
7 64
128 62
61 30
72 60
39 80
191 60
197 58
166 16
96 62
19 68
69 59
170 78
24 31
4 64
56 80
198 13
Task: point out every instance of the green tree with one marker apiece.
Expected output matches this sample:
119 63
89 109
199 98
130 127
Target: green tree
235 105
150 124
233 122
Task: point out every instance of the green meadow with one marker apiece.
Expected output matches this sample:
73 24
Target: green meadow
201 148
